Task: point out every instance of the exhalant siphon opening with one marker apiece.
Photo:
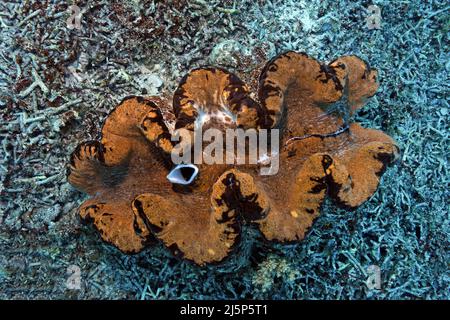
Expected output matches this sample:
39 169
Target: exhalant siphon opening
183 174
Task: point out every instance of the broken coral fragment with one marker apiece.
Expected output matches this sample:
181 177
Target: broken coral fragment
321 153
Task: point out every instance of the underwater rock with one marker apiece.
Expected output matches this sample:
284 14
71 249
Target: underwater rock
321 152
